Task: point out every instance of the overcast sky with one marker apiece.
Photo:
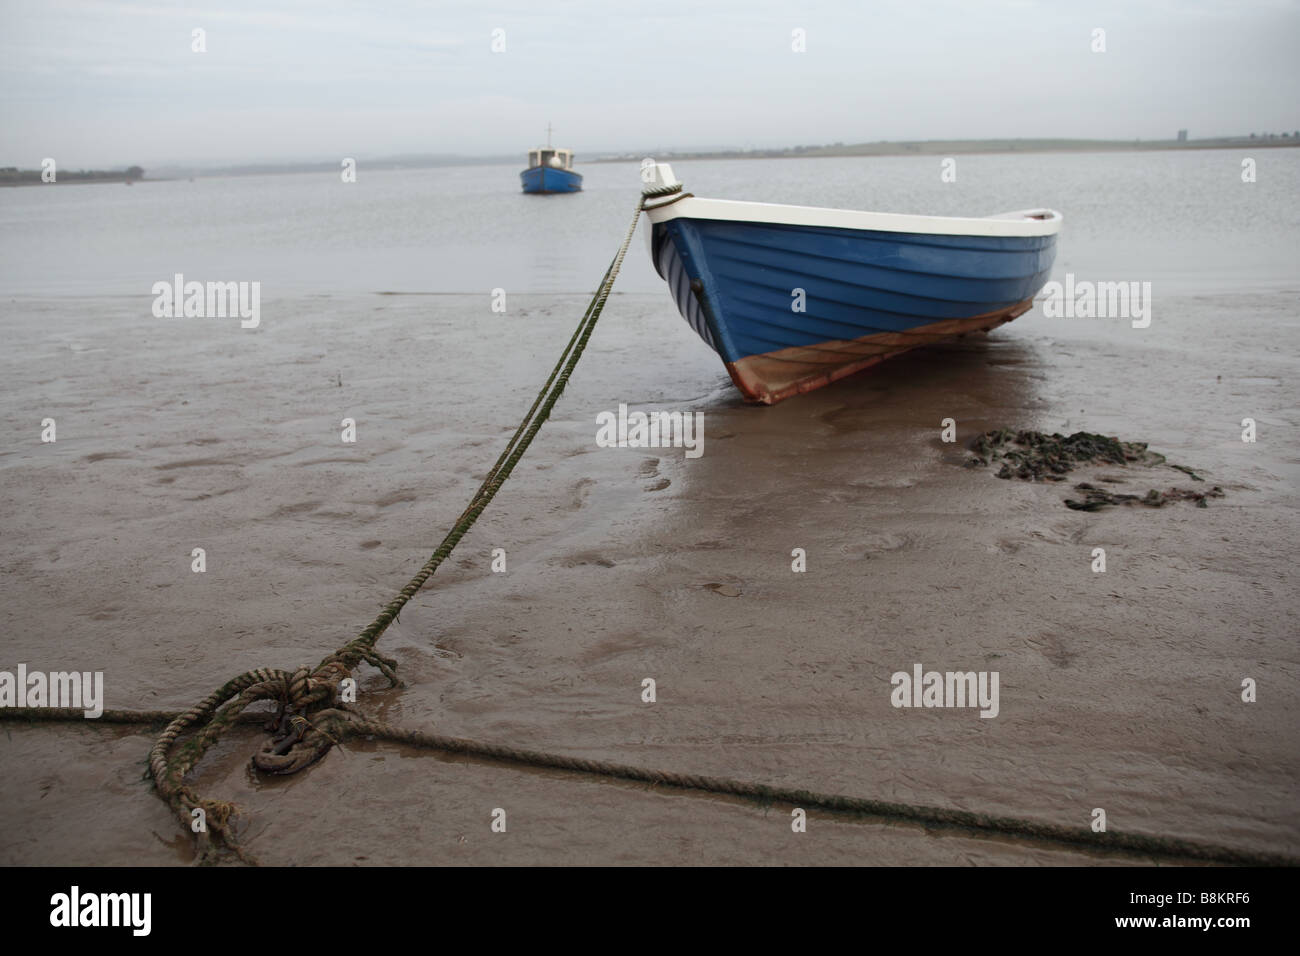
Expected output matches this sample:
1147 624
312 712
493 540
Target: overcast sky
97 84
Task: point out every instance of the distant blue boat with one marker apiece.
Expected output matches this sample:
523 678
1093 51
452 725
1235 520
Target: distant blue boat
550 170
550 179
796 297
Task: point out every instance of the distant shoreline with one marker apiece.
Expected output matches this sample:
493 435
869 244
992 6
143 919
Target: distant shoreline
967 147
12 176
937 147
79 182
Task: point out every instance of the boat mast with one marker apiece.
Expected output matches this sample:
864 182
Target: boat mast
548 134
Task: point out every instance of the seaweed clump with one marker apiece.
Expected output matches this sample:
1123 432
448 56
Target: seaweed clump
1097 498
1038 456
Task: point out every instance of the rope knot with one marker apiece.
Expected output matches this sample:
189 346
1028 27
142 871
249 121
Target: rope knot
298 689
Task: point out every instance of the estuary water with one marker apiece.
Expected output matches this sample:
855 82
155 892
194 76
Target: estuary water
1184 220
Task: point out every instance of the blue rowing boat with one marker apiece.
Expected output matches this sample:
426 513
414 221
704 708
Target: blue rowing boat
550 170
795 297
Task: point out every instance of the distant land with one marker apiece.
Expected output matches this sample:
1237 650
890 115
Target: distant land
413 161
953 147
11 176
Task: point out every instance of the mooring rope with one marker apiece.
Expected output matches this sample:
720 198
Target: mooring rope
294 743
309 721
338 724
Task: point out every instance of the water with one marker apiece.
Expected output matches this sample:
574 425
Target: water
1182 220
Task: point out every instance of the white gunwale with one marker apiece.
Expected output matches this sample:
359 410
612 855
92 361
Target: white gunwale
1027 222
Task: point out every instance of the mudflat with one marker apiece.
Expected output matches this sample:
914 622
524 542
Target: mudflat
1119 690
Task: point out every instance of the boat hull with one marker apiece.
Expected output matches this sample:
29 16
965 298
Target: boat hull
792 307
548 179
775 376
